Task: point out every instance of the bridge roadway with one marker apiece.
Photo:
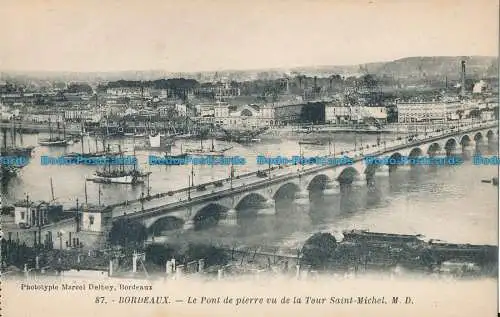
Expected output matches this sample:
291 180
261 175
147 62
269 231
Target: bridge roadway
160 204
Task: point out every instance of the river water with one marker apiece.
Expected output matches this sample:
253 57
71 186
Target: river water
449 202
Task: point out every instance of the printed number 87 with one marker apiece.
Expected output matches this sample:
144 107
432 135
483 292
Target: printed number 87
99 300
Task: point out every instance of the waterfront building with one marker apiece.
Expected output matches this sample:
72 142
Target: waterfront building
377 112
44 117
250 116
335 113
436 111
82 115
288 113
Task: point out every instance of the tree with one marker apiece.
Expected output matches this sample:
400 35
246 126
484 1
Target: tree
369 81
475 113
319 250
127 233
212 255
160 254
77 88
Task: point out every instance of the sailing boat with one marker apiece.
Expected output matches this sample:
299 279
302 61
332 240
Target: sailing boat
112 175
54 141
13 149
8 171
174 156
96 153
208 152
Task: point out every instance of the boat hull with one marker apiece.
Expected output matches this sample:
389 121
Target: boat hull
117 180
92 155
25 152
53 143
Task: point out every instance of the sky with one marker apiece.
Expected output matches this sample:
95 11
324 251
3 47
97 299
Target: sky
203 35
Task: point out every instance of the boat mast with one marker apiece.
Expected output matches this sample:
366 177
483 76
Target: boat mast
104 144
99 194
51 137
108 159
86 197
13 135
122 163
52 189
58 130
81 137
21 134
107 125
136 163
4 132
212 135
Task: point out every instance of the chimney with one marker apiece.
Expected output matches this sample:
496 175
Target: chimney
462 88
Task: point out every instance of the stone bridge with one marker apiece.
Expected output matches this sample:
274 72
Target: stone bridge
223 204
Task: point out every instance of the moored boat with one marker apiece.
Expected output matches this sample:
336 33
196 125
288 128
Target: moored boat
311 142
53 142
119 177
17 151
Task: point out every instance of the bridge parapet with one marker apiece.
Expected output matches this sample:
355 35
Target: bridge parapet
307 177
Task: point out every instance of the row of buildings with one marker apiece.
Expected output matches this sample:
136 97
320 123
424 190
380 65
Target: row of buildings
232 109
444 110
262 115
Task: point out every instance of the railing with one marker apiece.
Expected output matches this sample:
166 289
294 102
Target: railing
290 175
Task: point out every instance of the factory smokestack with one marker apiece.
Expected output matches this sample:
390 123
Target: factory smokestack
462 79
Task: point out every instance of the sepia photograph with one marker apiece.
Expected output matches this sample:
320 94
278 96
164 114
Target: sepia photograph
239 158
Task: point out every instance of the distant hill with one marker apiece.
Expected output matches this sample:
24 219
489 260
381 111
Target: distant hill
417 67
434 67
409 67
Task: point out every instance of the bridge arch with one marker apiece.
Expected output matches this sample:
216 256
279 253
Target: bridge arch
478 137
249 205
250 201
166 223
490 134
208 216
450 146
394 157
347 175
434 149
465 140
416 152
318 182
286 191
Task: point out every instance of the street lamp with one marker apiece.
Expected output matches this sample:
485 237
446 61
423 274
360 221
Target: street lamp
231 175
60 235
1 258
